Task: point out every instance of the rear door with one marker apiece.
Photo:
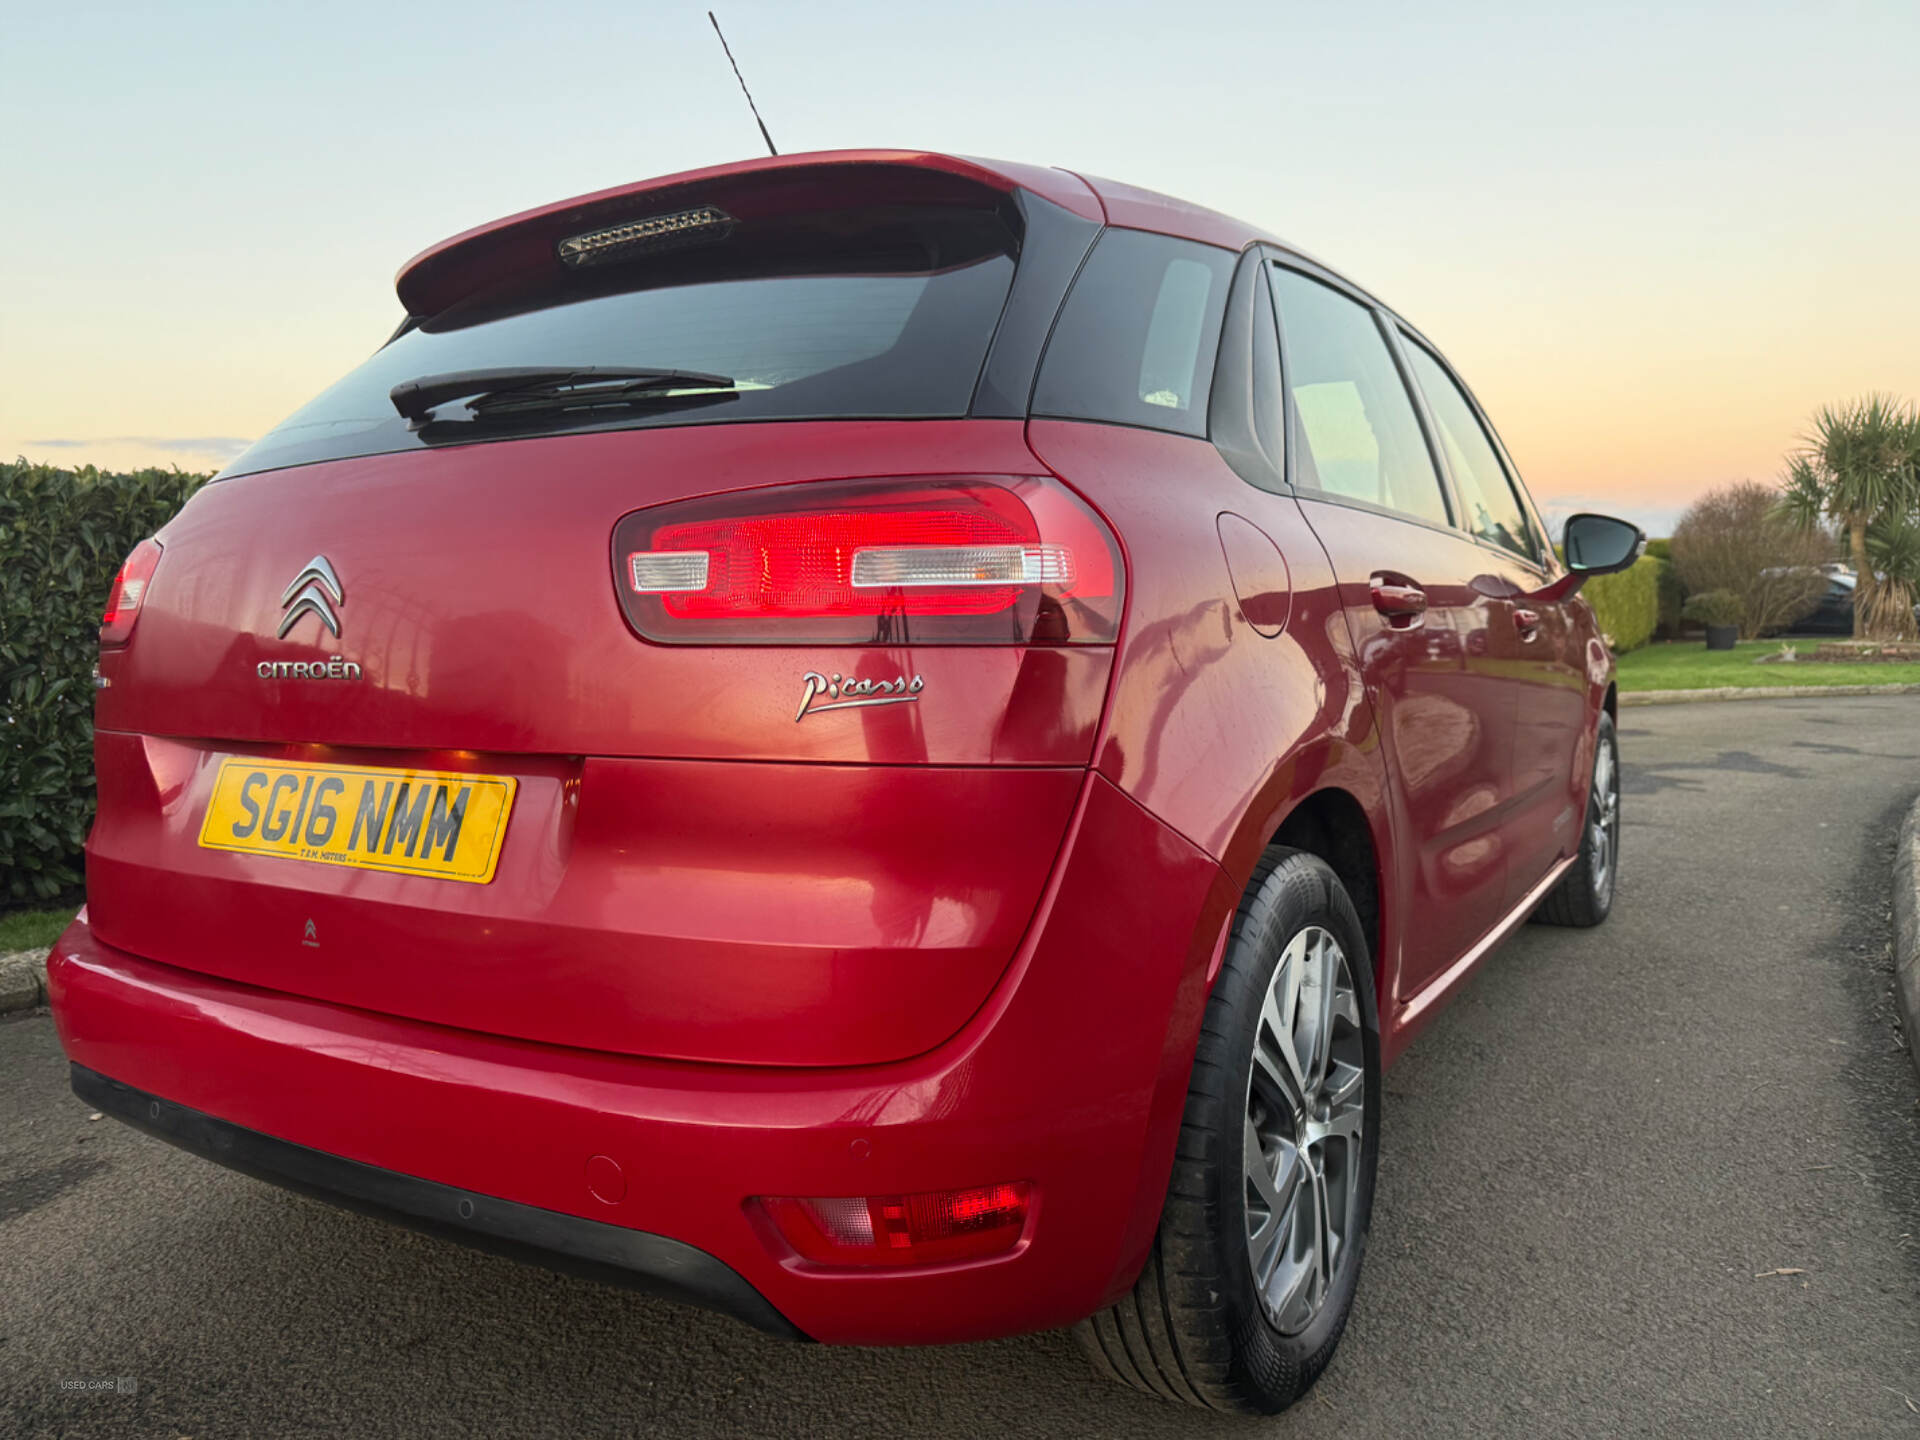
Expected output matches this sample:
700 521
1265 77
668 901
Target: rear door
1425 621
1537 640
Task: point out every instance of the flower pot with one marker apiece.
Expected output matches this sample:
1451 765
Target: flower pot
1722 637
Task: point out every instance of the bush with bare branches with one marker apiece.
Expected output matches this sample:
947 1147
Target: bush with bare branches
1735 538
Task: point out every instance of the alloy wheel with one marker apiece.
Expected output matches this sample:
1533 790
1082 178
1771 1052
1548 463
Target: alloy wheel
1603 818
1306 1107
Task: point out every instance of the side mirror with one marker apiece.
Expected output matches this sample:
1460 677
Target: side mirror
1600 545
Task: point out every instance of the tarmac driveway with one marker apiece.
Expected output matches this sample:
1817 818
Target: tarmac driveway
1658 1178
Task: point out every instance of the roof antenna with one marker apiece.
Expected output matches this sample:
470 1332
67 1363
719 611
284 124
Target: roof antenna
743 86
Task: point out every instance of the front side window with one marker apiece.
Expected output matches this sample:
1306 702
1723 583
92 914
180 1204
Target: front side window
1357 435
1137 338
1493 509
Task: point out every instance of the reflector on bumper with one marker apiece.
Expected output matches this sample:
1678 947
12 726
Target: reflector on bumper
895 1230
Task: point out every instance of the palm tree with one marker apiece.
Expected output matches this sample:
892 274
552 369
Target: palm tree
1861 463
1893 544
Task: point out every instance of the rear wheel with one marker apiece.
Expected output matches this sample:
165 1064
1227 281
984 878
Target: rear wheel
1585 893
1253 1272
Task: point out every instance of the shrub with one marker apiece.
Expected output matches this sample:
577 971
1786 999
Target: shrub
1660 549
63 534
1627 604
1736 538
1715 607
1673 595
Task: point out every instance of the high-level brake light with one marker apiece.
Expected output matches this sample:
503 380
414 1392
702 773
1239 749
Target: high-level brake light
633 238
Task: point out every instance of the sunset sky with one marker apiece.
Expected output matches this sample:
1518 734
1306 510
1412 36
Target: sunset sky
1652 240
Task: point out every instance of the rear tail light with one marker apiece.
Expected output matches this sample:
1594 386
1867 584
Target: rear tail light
129 591
924 1229
1007 560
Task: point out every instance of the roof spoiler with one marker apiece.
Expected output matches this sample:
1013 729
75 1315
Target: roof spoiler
771 185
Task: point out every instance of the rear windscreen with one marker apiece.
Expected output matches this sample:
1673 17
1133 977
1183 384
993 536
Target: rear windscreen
867 314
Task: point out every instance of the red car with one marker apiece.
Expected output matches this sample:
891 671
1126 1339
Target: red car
882 742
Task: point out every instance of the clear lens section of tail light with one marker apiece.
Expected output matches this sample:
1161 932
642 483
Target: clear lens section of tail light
942 565
658 572
128 593
964 560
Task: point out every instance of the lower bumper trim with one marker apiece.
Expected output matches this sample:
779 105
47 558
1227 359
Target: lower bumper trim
568 1243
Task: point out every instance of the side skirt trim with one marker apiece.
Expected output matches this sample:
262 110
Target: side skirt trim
1412 1010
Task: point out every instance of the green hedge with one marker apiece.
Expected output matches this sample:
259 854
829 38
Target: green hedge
1628 604
63 534
1673 595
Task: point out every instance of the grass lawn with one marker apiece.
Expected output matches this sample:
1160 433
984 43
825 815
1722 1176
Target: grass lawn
31 929
1689 665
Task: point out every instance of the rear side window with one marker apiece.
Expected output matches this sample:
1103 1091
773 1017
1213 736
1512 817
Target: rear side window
871 313
1358 436
1137 338
1493 510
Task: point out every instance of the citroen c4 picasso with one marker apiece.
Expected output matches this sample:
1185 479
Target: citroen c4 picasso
882 742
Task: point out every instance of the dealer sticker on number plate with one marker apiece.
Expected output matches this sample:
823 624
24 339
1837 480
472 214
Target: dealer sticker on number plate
416 822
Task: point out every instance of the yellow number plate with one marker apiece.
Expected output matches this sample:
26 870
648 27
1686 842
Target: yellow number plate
418 822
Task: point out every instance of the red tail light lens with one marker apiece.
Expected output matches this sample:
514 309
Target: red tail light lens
896 1230
129 591
1007 560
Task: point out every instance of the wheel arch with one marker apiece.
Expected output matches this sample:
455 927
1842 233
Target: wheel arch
1329 798
1333 824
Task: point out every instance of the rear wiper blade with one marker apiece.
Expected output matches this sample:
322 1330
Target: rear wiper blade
583 400
541 387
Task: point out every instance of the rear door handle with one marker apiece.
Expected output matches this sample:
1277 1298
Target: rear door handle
1400 600
1527 622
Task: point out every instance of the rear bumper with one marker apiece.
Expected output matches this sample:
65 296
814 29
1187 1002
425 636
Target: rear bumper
1071 1076
564 1242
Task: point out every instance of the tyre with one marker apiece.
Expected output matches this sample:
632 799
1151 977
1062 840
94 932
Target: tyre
1585 893
1253 1271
